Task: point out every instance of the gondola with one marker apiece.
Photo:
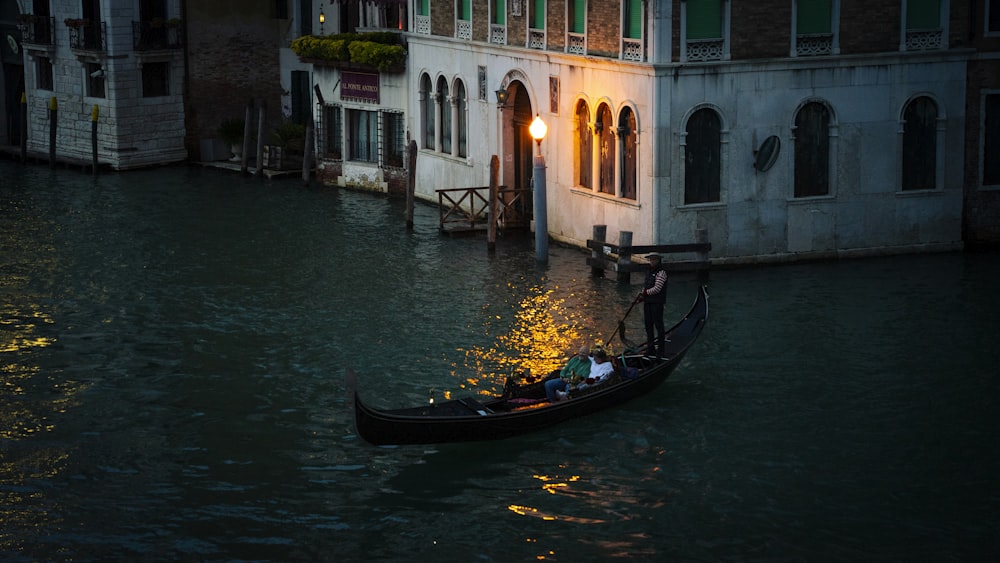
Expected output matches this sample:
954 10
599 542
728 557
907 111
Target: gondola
523 408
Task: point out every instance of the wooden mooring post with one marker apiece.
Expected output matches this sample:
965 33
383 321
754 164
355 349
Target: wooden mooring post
411 182
53 121
618 257
491 229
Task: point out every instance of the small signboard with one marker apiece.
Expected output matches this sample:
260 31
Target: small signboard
359 87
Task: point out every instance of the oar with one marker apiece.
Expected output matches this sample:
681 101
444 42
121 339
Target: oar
621 323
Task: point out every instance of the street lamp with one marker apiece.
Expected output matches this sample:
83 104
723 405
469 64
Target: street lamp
538 129
322 20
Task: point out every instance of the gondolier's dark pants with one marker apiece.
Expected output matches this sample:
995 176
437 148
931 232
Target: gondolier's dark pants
653 316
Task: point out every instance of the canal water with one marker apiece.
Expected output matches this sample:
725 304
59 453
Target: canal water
173 345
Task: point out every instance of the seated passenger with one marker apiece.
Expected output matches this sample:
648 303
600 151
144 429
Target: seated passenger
577 369
601 369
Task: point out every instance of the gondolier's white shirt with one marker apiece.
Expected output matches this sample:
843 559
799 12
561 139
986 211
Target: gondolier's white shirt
601 371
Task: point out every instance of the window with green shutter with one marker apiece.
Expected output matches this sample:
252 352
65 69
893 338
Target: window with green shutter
923 14
423 7
465 10
704 19
577 17
814 16
537 15
500 12
633 19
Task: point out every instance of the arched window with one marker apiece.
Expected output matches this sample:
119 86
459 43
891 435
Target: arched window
427 111
606 144
627 134
812 150
920 144
444 108
702 157
461 120
584 146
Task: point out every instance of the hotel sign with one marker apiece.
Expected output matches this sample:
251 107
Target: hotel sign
359 87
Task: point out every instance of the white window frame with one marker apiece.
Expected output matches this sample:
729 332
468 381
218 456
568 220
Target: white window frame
726 18
799 49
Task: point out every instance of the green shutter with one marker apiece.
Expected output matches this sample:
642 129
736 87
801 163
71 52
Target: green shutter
500 12
814 17
923 14
633 17
423 7
704 19
538 15
578 22
466 10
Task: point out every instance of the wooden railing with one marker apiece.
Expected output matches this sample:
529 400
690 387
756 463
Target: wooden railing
618 257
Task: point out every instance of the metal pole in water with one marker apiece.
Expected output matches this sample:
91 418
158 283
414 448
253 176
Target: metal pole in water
93 137
53 119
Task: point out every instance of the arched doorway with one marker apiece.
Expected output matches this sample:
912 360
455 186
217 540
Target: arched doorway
517 147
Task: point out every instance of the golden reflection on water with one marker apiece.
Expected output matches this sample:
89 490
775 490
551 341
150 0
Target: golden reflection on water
545 331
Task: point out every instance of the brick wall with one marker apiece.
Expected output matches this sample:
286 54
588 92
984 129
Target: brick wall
232 59
760 29
869 26
604 27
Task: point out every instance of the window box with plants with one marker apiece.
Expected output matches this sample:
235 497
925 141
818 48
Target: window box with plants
377 50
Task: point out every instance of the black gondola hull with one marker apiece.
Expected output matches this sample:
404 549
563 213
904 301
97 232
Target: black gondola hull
467 420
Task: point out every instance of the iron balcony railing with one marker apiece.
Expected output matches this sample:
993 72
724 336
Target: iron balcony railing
155 36
89 36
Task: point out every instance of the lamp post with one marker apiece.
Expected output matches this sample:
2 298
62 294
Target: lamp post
538 129
322 20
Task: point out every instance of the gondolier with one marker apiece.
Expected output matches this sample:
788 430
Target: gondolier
653 297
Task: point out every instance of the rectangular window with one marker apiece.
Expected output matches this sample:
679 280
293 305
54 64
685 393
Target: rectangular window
991 140
95 80
281 9
465 10
500 12
393 136
332 127
814 16
43 70
155 79
423 7
362 135
923 14
632 28
992 16
577 17
536 17
704 19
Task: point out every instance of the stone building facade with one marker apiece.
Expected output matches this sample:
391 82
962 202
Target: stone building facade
785 129
114 58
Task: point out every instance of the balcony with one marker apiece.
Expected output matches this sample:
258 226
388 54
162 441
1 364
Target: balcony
157 35
86 35
37 30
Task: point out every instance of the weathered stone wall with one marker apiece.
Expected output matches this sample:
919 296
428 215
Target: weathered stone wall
233 60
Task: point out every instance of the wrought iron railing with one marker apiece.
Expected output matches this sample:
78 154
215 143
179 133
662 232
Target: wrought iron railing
150 36
38 31
89 36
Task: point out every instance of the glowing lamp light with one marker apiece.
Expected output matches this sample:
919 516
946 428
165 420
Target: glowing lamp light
538 129
322 20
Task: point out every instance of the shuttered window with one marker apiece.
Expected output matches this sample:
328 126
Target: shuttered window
923 14
633 19
704 19
702 158
423 7
920 144
500 12
577 17
465 10
537 14
812 151
585 146
814 16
